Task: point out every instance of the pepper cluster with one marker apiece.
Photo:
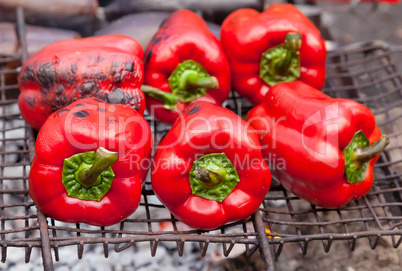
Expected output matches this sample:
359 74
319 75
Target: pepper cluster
93 150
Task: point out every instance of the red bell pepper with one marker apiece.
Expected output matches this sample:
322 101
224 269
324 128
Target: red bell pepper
278 45
90 162
185 59
208 170
108 67
323 148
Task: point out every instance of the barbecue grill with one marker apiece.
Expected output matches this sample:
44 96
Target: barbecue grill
366 72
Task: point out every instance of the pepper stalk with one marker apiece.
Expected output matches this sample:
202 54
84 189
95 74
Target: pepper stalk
281 63
190 81
88 175
358 155
213 177
168 100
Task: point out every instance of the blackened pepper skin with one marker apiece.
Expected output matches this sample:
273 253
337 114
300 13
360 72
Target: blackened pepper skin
107 67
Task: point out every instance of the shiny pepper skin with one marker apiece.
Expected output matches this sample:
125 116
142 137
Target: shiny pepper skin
308 132
84 126
181 37
202 130
246 34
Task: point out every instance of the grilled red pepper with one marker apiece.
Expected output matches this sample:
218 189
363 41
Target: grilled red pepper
208 169
91 162
184 58
277 45
108 67
323 148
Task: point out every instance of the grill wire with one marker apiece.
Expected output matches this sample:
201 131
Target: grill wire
365 72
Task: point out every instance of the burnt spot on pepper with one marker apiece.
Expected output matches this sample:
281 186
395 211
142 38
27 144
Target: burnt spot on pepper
80 105
61 101
73 69
63 75
61 111
115 71
81 114
31 101
157 40
115 97
59 89
88 88
149 54
101 77
98 100
47 74
101 109
28 73
193 110
129 66
94 60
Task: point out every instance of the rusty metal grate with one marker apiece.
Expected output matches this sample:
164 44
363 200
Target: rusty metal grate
364 72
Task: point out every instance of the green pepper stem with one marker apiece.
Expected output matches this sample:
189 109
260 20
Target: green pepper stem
366 154
208 177
193 81
293 43
168 99
103 159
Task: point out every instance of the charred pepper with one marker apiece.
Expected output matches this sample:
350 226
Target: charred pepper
108 67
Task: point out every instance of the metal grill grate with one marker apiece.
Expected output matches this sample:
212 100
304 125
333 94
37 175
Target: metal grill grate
19 227
364 72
